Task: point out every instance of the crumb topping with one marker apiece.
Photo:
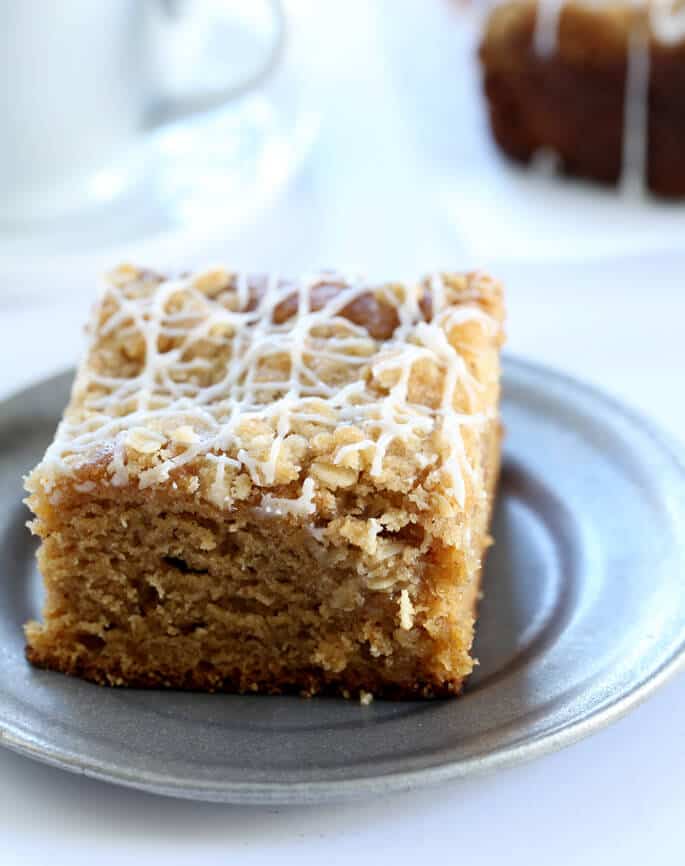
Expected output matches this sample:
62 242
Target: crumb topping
224 384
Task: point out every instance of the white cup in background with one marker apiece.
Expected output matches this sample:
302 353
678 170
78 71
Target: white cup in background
83 81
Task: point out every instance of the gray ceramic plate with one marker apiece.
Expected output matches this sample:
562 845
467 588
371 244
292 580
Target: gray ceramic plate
583 616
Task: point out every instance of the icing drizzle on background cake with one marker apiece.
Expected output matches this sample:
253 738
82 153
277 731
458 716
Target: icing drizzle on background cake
237 371
546 32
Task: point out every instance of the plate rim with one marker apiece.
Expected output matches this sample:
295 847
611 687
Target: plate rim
302 792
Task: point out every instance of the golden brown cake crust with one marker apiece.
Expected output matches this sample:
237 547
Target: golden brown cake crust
267 485
572 100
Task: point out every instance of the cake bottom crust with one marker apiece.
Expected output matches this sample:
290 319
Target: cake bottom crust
305 685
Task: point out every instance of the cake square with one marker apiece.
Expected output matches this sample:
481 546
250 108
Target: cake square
267 485
599 85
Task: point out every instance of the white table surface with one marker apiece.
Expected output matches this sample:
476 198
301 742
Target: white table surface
367 198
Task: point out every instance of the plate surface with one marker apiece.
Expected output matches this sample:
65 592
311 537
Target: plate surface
583 616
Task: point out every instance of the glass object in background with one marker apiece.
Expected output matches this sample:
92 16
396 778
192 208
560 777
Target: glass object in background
81 86
131 119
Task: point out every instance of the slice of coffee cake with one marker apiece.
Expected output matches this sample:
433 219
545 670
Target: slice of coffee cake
266 485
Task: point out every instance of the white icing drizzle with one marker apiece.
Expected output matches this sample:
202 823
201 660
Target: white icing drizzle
155 407
666 23
302 506
635 140
546 34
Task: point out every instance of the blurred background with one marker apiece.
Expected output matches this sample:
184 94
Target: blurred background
364 145
304 134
